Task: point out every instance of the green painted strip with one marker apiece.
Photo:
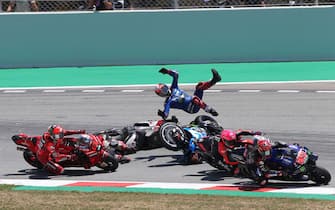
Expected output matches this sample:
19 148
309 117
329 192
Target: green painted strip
190 73
181 191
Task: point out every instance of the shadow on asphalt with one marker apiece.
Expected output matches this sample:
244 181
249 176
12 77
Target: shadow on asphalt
176 160
42 174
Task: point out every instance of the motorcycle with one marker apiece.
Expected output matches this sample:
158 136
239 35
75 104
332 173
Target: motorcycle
30 146
143 135
296 162
299 164
197 140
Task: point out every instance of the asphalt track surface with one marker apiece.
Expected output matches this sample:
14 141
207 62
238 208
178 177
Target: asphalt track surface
305 116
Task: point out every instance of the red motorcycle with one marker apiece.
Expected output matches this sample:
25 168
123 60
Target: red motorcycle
103 159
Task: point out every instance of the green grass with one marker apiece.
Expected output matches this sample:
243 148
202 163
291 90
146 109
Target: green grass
13 199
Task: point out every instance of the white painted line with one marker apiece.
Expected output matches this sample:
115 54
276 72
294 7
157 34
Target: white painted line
181 84
53 91
308 190
31 182
93 91
288 91
14 91
325 91
132 91
249 91
213 91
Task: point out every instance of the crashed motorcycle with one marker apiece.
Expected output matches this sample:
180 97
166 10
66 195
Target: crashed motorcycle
143 135
173 136
198 140
31 145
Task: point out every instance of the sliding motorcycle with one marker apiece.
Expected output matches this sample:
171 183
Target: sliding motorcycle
30 146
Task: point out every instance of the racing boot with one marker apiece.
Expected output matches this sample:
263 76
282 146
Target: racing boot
211 110
216 77
54 168
206 85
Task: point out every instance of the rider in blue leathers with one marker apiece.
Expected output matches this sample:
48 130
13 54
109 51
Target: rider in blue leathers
179 99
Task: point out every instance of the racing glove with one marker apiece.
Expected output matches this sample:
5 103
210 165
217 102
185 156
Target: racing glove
161 113
164 71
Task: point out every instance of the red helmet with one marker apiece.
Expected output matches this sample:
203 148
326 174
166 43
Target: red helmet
263 146
56 132
162 90
229 137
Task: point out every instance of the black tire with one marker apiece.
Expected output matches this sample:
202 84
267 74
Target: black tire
201 118
31 158
112 163
320 176
168 133
213 127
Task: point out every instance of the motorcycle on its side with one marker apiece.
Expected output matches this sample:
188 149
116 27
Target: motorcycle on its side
198 140
31 145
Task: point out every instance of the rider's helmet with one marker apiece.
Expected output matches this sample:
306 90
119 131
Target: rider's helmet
56 132
229 138
84 141
263 145
162 90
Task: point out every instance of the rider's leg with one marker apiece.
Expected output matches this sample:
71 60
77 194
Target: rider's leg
54 168
206 85
200 103
199 92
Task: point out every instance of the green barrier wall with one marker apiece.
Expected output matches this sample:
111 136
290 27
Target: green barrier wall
167 37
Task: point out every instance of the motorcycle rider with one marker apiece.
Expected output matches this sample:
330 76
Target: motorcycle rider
257 151
232 139
47 152
179 99
91 150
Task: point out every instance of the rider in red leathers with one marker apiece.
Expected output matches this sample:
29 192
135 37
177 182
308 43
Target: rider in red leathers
91 150
232 139
47 152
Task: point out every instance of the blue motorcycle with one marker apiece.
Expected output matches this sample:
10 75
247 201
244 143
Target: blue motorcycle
298 163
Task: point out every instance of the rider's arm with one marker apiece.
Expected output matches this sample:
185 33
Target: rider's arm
240 133
71 132
166 110
173 74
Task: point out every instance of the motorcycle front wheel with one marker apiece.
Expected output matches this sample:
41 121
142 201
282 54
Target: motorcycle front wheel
172 136
320 175
31 158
